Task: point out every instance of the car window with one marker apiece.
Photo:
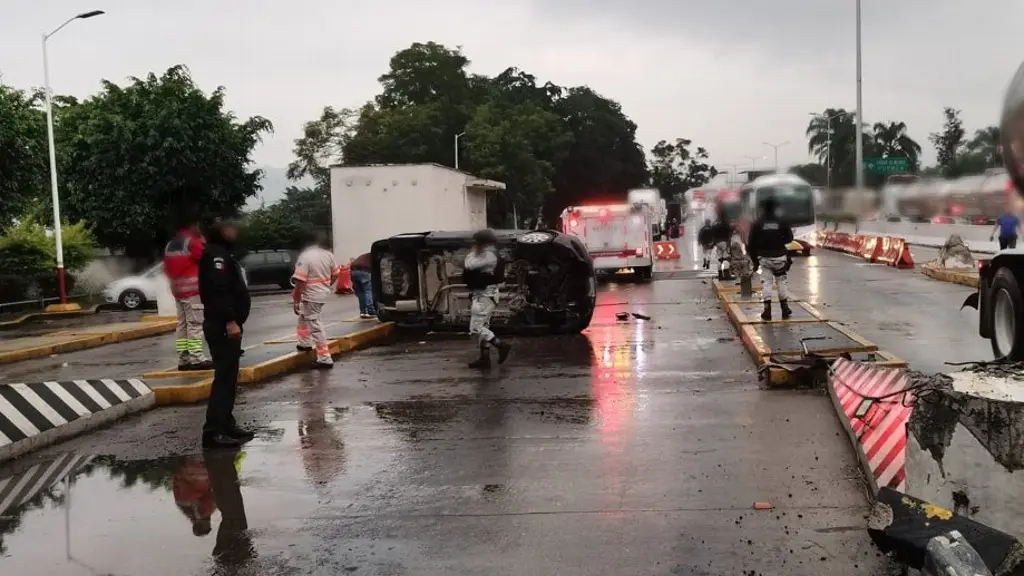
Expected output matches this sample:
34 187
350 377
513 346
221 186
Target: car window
286 257
251 259
275 258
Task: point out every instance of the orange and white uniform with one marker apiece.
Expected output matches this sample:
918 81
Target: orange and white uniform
318 271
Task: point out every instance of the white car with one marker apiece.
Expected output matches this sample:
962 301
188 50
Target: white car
134 292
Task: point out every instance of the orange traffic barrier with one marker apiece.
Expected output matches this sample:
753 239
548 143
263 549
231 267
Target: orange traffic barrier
344 281
896 253
870 248
666 250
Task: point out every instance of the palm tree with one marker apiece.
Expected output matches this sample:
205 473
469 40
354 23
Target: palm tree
835 151
892 140
986 145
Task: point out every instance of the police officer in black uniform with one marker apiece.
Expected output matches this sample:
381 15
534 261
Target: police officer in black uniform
766 245
226 301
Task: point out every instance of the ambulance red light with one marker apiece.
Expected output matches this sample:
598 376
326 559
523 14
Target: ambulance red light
574 223
603 213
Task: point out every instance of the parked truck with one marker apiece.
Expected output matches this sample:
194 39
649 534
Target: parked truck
999 299
651 198
373 202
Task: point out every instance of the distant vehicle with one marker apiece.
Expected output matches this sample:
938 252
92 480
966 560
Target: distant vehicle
549 281
659 209
617 236
139 291
270 267
135 292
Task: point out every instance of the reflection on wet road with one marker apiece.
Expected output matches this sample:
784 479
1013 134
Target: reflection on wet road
635 448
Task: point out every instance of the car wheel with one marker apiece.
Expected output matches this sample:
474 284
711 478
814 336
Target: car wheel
1007 317
537 237
131 299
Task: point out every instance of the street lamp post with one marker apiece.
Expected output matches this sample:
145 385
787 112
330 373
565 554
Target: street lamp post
776 147
753 162
457 136
53 154
860 112
828 145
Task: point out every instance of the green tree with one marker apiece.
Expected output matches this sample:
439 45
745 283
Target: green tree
551 146
321 145
949 143
674 169
982 151
892 140
284 224
604 159
814 173
23 154
135 154
520 145
838 152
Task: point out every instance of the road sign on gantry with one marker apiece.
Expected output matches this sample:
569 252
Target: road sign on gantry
890 165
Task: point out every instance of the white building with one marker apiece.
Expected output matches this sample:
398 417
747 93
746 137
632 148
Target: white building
369 203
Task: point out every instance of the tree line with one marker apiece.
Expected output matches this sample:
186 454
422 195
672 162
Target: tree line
552 146
131 156
835 152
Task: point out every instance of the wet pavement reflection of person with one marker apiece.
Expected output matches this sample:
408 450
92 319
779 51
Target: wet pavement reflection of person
205 484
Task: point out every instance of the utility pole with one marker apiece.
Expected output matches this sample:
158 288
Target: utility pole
457 136
776 147
860 111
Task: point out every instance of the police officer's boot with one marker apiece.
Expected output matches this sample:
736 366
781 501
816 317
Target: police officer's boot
484 361
767 314
786 312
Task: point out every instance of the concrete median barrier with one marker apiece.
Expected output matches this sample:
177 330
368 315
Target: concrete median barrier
263 362
950 441
796 351
968 277
33 415
18 349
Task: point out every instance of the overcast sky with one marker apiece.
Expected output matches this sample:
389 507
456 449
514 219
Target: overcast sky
729 74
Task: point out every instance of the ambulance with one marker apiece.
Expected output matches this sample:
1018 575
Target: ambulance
619 237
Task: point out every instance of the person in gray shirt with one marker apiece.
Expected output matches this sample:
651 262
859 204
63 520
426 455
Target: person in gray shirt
482 272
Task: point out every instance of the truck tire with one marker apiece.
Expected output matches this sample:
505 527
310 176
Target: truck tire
644 272
1007 317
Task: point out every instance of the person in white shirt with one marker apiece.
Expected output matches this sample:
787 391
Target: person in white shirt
315 272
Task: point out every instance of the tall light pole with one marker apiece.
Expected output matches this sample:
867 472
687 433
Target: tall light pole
734 174
776 147
53 154
860 112
753 162
457 136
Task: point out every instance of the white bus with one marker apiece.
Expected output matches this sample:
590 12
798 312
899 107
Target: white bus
794 201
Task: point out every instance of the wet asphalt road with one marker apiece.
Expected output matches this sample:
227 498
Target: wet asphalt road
635 448
271 317
903 311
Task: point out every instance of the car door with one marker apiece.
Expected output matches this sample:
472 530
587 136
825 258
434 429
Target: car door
255 267
274 269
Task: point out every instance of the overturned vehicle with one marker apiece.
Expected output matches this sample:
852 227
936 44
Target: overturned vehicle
549 282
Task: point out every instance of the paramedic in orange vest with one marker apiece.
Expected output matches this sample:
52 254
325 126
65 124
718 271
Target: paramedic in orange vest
315 273
181 264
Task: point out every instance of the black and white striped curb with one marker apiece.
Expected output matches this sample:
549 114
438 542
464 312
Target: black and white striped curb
22 487
36 414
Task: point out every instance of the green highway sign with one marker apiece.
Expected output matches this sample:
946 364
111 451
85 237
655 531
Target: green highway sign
890 165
